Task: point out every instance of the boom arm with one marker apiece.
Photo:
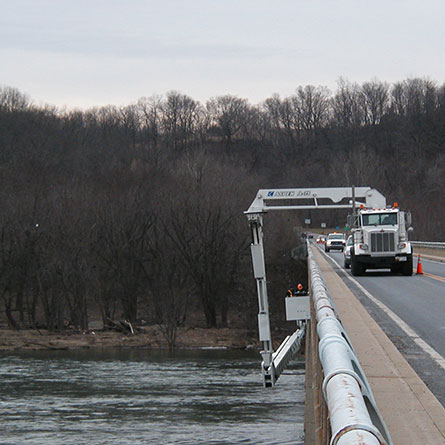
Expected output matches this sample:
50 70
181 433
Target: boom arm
373 198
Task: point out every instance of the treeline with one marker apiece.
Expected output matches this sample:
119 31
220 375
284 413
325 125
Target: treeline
136 211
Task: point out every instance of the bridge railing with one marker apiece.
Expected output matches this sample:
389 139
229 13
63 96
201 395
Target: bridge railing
429 249
429 245
352 411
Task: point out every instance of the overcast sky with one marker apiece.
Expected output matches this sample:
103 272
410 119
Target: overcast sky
81 53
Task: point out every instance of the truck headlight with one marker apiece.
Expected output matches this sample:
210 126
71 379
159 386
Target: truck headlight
401 245
364 246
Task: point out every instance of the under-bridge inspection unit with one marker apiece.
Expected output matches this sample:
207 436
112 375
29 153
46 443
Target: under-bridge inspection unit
344 384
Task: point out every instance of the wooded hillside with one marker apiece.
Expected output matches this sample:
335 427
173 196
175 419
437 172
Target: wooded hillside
137 211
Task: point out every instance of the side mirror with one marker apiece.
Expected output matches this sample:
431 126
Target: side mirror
409 219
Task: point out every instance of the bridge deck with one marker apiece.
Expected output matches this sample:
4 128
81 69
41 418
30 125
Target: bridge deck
411 412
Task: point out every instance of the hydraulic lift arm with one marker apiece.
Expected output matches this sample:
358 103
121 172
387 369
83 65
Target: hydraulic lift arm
273 363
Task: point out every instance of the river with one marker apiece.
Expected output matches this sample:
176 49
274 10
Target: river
147 397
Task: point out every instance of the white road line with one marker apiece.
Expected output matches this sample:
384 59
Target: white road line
402 325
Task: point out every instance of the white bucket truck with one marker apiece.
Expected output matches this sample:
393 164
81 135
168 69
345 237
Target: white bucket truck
381 240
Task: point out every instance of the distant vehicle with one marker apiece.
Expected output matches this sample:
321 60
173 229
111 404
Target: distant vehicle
335 241
321 239
347 251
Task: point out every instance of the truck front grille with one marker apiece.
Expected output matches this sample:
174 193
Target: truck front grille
382 242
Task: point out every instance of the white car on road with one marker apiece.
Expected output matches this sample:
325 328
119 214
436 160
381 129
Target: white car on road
347 251
335 241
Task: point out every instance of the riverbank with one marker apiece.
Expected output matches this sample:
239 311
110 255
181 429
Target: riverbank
149 337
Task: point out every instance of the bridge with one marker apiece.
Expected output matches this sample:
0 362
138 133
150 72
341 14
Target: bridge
374 344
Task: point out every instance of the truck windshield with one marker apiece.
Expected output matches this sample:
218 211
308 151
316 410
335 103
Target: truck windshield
379 219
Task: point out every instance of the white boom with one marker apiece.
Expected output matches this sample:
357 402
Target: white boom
312 196
296 199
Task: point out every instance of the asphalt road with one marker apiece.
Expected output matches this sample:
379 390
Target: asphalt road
419 302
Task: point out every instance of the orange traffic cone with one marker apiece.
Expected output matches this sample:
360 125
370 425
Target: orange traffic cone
419 266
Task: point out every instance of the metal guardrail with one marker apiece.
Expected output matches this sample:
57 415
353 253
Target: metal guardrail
353 413
428 245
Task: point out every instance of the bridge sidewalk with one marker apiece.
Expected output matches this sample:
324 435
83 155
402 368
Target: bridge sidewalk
411 412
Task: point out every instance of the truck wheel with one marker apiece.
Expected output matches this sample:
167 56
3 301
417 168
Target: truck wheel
357 268
407 268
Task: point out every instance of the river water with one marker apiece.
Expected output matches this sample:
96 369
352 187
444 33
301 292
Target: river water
147 397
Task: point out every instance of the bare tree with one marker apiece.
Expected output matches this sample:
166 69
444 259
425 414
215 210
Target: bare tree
12 100
203 226
228 113
168 284
375 101
357 167
122 234
150 110
284 119
346 107
413 97
312 106
180 117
